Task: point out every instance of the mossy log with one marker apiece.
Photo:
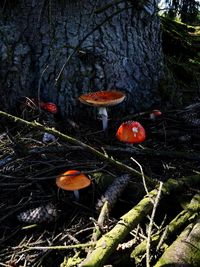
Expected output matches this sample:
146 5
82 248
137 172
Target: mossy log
185 250
181 220
107 244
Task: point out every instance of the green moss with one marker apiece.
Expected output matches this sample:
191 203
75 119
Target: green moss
71 262
181 46
177 38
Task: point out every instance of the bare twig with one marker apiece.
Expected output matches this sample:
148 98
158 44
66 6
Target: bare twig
27 248
151 225
142 174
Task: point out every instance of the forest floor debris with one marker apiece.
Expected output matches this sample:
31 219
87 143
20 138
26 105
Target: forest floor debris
28 183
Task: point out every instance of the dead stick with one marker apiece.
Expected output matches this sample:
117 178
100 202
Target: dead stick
75 141
79 246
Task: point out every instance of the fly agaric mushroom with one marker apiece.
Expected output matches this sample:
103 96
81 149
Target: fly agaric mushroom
154 114
102 100
131 132
73 180
50 107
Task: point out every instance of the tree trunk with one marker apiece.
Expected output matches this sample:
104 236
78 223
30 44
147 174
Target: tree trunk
123 52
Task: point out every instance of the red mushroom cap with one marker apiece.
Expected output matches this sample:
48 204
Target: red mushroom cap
102 98
131 132
50 107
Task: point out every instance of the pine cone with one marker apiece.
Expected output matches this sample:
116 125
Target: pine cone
45 213
191 119
191 115
113 191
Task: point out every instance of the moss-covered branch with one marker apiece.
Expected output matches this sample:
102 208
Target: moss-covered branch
179 221
107 244
185 250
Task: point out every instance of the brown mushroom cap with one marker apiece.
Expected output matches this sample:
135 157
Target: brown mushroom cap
72 180
102 98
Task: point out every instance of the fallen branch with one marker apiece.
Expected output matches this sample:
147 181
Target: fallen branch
185 249
179 221
77 142
108 243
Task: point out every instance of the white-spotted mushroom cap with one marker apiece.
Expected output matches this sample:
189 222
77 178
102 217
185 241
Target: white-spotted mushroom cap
131 132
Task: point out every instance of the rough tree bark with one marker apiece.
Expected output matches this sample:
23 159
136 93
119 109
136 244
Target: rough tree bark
36 37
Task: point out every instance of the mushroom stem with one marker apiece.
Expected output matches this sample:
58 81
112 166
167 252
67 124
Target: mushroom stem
76 195
104 117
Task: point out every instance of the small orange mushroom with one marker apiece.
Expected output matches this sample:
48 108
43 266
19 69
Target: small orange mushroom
102 100
73 180
131 132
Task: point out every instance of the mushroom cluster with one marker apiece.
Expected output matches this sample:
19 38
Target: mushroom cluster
128 132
